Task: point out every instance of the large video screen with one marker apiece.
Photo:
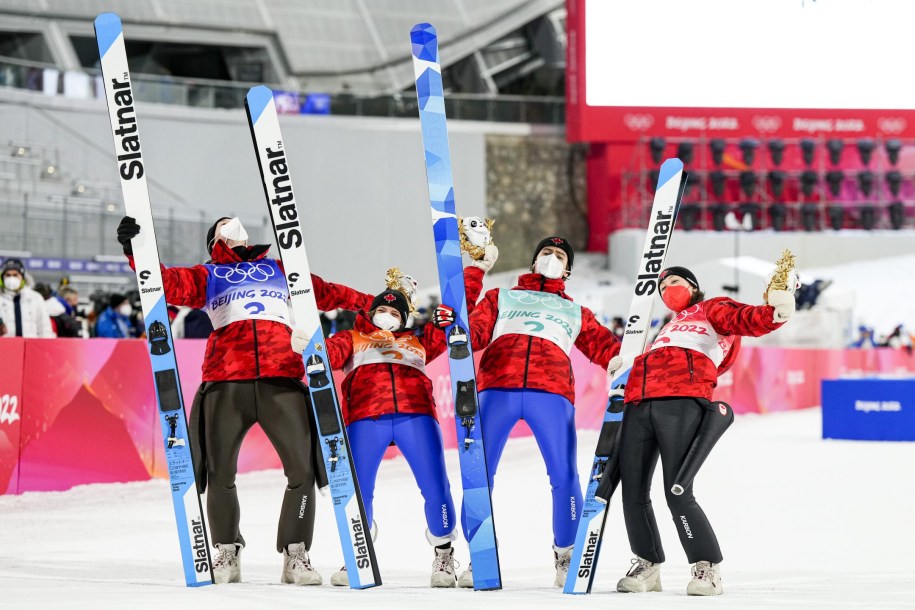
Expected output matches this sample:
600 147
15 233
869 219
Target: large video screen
820 66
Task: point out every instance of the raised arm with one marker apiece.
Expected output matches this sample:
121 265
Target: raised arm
483 320
728 317
596 341
183 285
332 296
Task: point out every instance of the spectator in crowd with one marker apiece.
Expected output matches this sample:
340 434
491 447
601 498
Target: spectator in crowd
865 338
336 321
808 294
114 322
618 327
190 323
22 310
63 323
899 339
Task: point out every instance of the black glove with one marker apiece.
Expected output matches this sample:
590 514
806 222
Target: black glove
127 230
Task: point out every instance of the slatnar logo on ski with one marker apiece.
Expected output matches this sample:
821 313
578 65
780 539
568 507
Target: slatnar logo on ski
126 136
654 256
201 561
362 552
587 558
288 234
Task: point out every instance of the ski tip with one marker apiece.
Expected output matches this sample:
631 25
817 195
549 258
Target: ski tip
425 42
108 19
669 169
107 29
257 100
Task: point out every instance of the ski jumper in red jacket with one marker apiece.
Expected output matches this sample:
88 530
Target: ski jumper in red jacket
667 393
526 373
250 375
389 399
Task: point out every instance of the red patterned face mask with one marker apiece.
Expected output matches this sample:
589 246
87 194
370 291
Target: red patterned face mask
676 298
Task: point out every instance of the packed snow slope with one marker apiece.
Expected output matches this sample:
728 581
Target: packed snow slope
802 522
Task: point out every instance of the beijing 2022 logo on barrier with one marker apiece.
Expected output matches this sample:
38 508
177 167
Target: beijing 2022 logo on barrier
9 409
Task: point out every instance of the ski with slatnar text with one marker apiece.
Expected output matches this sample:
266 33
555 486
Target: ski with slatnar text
484 555
192 534
358 550
604 474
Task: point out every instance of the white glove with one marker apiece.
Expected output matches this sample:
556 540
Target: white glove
783 302
490 255
299 340
617 392
614 365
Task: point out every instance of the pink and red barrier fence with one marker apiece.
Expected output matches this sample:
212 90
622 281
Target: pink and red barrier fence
83 411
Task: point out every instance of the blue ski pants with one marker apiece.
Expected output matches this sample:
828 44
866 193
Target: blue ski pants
551 418
419 439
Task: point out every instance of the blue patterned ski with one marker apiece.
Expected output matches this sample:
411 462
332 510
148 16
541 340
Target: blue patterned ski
192 534
605 468
358 551
477 500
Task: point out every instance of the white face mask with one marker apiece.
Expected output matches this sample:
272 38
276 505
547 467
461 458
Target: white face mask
12 283
125 310
234 233
386 321
550 266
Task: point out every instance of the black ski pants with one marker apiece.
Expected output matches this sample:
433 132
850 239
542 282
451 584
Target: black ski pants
662 427
280 406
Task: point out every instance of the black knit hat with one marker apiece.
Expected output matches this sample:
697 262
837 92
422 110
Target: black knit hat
556 242
211 234
395 299
115 299
683 272
12 264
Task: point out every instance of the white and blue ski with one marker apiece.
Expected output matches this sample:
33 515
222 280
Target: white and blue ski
358 551
484 554
192 534
604 475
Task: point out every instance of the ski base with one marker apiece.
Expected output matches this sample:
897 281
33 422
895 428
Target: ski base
349 511
478 517
192 533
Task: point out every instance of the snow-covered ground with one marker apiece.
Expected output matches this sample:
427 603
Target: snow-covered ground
804 523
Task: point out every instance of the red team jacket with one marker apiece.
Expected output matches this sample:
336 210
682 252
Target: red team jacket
249 349
376 389
713 329
516 361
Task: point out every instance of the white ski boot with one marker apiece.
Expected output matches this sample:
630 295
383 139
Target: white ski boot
466 579
562 557
297 568
706 579
443 569
226 566
340 578
643 577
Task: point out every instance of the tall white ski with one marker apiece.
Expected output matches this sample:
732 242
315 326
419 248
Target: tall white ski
192 535
605 469
358 551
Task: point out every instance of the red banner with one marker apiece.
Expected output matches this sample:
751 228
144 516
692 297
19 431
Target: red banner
83 411
10 412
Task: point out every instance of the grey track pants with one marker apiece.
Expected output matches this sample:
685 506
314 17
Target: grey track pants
280 406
